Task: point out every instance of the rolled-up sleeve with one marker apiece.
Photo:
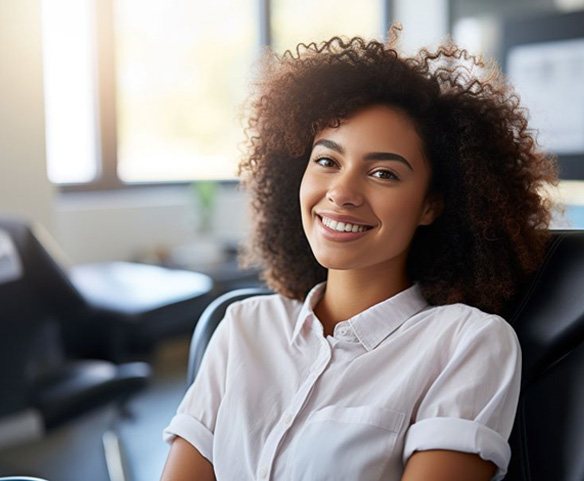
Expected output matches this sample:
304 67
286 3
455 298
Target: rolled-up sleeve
196 415
471 404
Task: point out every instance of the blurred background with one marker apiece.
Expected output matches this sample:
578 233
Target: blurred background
120 134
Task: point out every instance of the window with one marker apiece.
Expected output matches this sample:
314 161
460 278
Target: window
148 91
181 70
294 21
70 91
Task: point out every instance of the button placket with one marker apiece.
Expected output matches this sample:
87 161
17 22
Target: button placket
275 437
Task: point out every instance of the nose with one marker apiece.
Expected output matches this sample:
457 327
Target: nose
345 191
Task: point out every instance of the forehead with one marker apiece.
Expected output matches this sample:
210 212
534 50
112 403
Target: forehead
377 128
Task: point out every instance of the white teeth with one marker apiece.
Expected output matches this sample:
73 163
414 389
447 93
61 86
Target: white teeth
342 226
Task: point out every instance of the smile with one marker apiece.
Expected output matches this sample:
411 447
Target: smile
343 226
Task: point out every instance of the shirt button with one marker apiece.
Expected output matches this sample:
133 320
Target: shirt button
263 472
288 419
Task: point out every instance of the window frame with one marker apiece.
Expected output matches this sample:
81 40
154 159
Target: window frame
107 178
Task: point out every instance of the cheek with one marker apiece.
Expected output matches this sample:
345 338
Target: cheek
404 211
307 195
305 202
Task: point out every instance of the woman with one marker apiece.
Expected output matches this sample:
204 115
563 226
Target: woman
398 208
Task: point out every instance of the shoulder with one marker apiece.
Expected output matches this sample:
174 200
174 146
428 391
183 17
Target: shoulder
265 303
263 312
464 324
466 317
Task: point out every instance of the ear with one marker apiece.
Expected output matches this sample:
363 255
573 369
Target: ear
433 207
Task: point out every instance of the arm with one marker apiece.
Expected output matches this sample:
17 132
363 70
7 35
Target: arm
191 430
185 463
443 465
468 410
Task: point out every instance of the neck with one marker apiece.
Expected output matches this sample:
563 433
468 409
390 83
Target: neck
350 292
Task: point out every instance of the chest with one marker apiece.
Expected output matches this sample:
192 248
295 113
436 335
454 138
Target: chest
326 403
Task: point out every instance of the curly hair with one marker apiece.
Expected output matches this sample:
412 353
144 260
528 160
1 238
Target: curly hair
485 163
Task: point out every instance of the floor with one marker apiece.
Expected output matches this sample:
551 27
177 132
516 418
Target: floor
75 452
154 409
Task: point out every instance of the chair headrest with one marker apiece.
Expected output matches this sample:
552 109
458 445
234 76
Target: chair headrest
549 317
10 263
39 272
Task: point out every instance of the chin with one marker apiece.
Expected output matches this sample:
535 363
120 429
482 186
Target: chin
333 263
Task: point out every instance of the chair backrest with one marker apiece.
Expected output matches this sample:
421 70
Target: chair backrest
547 441
33 291
42 278
209 320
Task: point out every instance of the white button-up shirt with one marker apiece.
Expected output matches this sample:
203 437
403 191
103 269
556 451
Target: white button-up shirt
276 399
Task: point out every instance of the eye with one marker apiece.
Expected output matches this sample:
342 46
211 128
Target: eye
324 161
384 174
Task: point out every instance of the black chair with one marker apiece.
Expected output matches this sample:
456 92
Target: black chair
547 440
109 310
43 389
209 320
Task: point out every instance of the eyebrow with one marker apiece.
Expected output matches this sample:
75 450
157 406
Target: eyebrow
370 156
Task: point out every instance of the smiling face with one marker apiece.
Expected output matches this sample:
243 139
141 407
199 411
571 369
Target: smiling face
363 193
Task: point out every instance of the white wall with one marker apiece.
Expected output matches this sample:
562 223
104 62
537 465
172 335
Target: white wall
124 225
24 187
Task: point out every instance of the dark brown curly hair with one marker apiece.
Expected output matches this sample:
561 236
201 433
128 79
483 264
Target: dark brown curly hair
485 163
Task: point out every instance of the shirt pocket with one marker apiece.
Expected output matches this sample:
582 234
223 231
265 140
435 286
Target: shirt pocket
347 443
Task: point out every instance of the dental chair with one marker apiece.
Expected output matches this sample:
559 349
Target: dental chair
43 390
115 310
547 441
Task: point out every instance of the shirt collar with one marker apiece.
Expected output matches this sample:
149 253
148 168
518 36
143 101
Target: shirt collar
307 311
374 324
